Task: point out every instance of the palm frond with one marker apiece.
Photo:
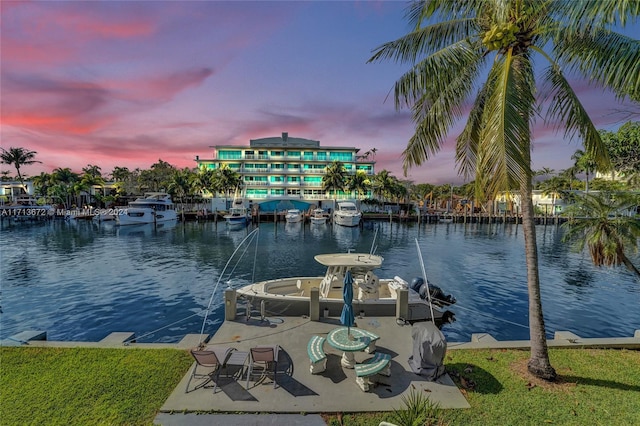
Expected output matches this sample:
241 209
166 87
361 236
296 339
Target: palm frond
420 11
566 108
424 41
434 74
468 141
506 136
608 58
585 15
436 110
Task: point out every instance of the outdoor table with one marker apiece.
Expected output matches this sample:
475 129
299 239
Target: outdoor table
339 339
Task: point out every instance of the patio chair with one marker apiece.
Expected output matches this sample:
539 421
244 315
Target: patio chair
263 361
212 358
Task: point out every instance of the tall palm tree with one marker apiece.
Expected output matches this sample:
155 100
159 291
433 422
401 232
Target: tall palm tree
601 224
226 180
181 186
453 42
359 183
42 182
554 187
383 183
335 179
18 157
584 162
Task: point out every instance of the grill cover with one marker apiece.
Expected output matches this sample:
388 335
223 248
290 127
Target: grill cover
429 350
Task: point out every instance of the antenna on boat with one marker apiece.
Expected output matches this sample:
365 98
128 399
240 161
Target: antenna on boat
426 281
249 237
374 247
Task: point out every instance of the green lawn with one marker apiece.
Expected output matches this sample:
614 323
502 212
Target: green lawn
87 386
83 386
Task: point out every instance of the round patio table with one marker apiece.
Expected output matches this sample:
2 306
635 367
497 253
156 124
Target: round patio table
355 341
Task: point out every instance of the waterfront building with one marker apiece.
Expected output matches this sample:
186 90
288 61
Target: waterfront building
283 168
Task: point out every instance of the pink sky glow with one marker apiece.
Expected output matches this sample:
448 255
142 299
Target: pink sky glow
128 83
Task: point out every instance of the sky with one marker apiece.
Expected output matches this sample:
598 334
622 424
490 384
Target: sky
128 83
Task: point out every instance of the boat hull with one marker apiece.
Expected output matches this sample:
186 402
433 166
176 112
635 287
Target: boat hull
347 220
291 297
135 216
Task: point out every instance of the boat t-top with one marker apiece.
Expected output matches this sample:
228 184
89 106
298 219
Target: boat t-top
153 207
372 296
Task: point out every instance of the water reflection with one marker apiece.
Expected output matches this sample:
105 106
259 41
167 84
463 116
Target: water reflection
81 281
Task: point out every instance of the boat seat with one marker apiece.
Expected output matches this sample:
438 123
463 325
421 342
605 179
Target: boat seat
379 364
369 287
299 285
315 349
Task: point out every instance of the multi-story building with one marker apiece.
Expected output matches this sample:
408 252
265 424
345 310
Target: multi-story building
284 168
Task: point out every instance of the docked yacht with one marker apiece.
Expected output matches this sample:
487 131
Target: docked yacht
347 214
239 215
318 217
153 207
372 296
293 216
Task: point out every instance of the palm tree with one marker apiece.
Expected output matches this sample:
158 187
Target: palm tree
383 183
554 187
335 179
226 180
453 42
181 185
359 183
602 226
18 157
63 181
584 163
42 182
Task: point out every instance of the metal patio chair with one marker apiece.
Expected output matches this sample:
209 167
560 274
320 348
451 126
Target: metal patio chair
211 358
263 361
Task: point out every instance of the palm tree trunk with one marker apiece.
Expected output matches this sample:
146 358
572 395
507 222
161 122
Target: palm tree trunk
539 363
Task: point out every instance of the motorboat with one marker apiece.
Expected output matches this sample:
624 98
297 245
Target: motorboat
318 217
153 207
238 215
372 296
347 214
293 216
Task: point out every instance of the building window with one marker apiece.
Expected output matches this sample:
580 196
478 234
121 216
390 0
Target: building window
322 156
295 154
277 153
230 155
341 156
308 156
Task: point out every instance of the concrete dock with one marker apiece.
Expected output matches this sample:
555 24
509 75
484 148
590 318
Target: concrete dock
299 391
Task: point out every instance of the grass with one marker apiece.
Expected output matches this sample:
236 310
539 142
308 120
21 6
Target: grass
596 387
82 386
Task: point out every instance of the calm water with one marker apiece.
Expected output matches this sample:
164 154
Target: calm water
82 281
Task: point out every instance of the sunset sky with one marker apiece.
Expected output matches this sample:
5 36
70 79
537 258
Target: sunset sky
128 83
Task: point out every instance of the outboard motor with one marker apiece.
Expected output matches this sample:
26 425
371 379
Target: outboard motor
437 295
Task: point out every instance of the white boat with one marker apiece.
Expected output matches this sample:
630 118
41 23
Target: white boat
293 216
318 217
239 215
372 296
347 214
153 207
